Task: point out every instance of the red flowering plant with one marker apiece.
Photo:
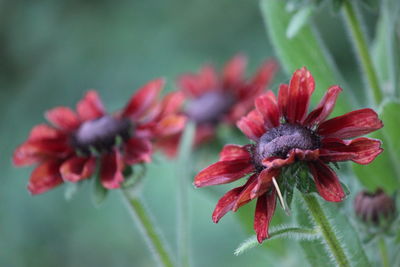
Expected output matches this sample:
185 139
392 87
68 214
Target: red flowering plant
289 144
213 99
76 141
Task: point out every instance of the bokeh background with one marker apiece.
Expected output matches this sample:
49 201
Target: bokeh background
51 52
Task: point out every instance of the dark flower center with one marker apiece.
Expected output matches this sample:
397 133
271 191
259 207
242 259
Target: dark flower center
100 134
210 107
278 141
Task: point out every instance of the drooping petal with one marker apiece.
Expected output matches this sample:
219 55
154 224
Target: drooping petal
326 181
143 99
63 118
226 203
111 170
278 162
90 107
264 182
45 177
233 71
265 209
223 172
235 152
361 150
77 168
324 108
37 151
137 150
301 87
352 124
252 125
244 196
267 106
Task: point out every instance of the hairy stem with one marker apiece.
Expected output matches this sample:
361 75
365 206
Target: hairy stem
151 235
361 49
336 249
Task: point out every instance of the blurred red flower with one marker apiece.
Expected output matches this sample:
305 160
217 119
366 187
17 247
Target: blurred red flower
284 134
69 148
214 98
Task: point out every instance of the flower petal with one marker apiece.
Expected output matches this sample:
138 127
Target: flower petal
252 125
226 203
111 170
233 71
352 124
277 162
143 99
63 118
301 87
244 196
326 181
45 177
324 108
90 107
45 132
194 85
77 168
361 150
235 152
264 182
263 76
170 125
283 98
268 108
265 209
137 150
223 172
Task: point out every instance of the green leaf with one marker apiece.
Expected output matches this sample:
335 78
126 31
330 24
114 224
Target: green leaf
99 193
384 171
305 49
299 20
282 231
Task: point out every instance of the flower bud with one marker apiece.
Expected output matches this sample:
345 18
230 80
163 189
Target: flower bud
374 207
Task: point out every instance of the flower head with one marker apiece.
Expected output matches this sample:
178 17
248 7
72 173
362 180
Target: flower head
213 99
70 148
374 207
285 136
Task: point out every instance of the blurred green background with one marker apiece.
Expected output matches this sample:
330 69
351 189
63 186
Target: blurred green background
51 52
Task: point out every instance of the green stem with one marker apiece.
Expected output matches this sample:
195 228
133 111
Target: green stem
361 49
183 173
151 235
327 232
384 252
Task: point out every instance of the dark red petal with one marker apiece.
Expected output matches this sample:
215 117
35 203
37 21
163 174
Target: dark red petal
277 162
233 71
90 107
45 132
264 181
324 108
194 85
36 151
63 118
45 177
172 103
301 87
264 75
244 196
352 124
252 125
77 168
226 203
265 209
326 181
223 172
268 108
143 99
283 98
170 125
235 152
137 150
111 170
361 150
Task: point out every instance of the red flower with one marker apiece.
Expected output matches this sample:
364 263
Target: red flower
284 134
69 149
213 99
